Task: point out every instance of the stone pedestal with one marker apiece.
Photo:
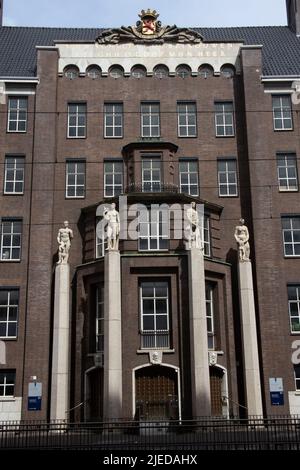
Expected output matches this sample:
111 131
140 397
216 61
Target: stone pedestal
198 335
61 344
112 337
249 333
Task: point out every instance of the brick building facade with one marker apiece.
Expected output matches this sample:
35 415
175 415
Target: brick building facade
205 115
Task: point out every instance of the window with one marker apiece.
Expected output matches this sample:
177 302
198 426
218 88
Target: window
291 236
138 71
227 71
151 175
227 178
210 314
71 72
161 71
282 113
294 307
101 245
7 383
224 119
153 229
75 179
188 176
77 121
183 71
116 71
9 313
17 114
11 234
150 121
113 120
93 72
206 71
100 319
155 329
187 120
14 175
206 234
287 172
297 376
113 178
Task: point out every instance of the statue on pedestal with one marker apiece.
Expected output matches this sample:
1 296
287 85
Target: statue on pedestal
241 235
194 238
113 227
64 237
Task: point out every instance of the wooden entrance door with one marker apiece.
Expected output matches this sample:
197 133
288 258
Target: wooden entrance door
95 395
156 393
216 378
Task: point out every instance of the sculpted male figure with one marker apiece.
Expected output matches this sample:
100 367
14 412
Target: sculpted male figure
113 227
193 227
64 237
241 235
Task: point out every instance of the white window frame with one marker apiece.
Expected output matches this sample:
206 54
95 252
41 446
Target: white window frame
11 246
99 318
117 188
209 300
151 338
227 172
154 129
18 109
116 112
189 172
191 129
101 245
290 161
224 115
154 185
8 307
206 235
153 229
15 161
297 302
282 109
6 384
297 378
76 173
291 230
77 114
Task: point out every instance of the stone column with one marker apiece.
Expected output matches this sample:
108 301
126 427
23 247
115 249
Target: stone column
61 344
249 336
112 337
198 335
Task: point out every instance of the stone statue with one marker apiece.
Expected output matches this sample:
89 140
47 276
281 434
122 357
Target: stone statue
241 235
64 238
194 238
113 227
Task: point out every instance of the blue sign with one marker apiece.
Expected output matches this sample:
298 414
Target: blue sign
34 403
277 398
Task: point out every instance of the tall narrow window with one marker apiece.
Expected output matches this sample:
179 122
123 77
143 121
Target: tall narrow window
113 120
100 319
297 376
227 178
291 236
150 120
153 229
210 315
294 307
155 322
75 179
17 114
7 383
9 313
14 175
206 234
77 120
151 175
113 178
188 176
11 237
187 119
224 119
287 172
282 113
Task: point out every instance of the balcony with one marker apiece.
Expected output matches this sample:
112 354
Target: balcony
152 188
159 339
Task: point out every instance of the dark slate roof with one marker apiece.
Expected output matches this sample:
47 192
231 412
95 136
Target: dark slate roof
281 51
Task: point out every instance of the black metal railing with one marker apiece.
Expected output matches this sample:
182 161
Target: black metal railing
152 188
273 433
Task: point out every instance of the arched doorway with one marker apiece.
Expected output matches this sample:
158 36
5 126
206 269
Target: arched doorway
156 393
217 390
94 395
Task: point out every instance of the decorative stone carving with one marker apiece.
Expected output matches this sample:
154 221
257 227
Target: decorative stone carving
193 229
212 358
155 357
64 237
149 31
113 227
241 235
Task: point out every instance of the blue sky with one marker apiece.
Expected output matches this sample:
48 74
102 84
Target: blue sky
103 13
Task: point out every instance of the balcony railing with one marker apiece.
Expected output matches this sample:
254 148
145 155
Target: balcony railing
155 339
152 188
